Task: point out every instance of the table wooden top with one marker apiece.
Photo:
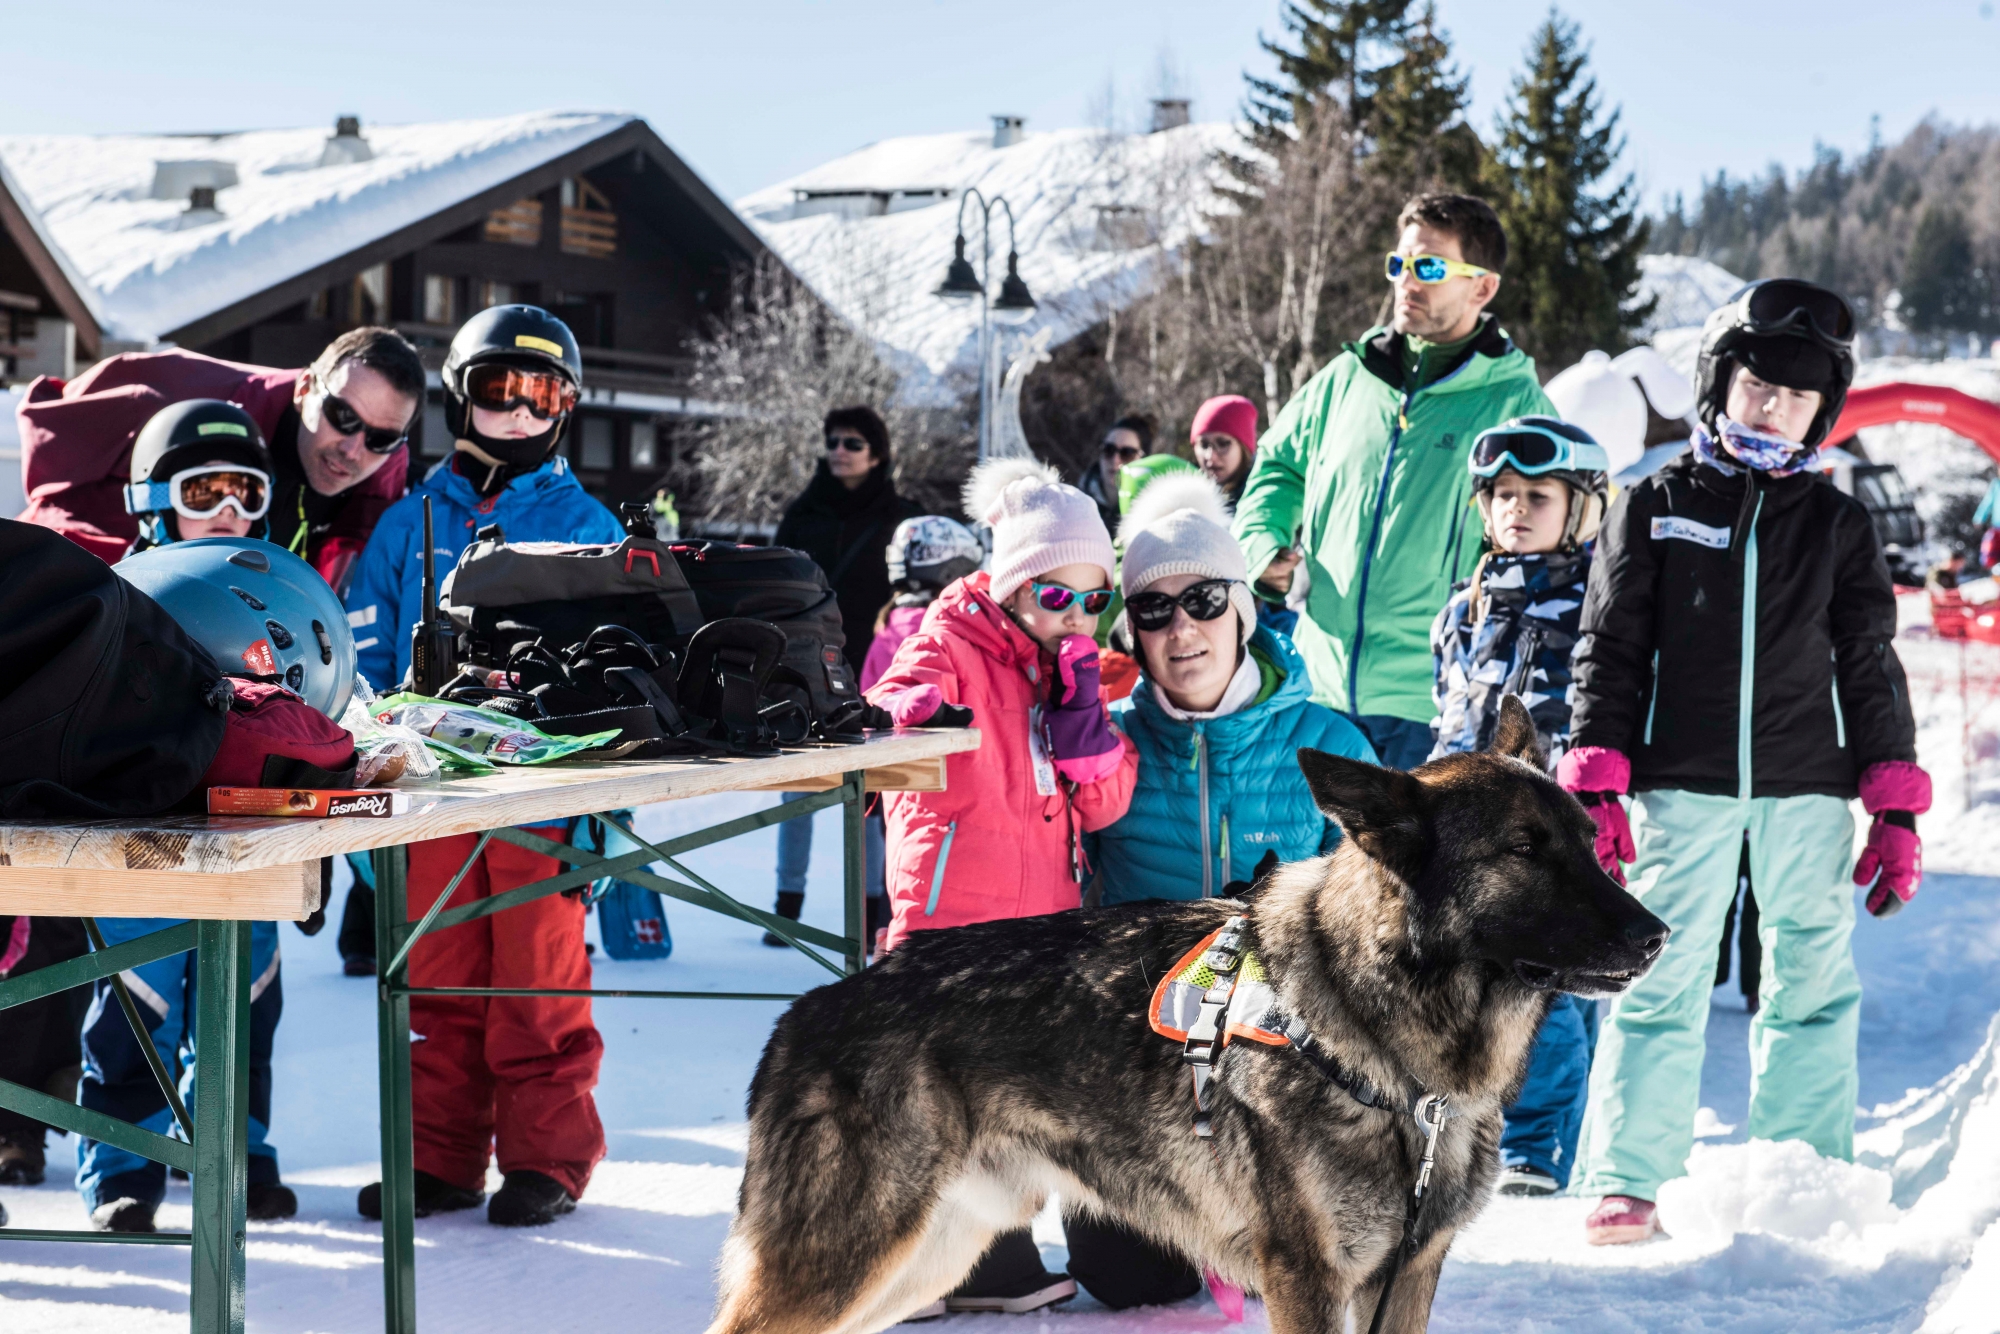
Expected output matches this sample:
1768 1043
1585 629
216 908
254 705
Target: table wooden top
226 844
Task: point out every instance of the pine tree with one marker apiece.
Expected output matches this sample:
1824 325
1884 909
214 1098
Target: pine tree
1574 245
1328 57
1944 290
1416 121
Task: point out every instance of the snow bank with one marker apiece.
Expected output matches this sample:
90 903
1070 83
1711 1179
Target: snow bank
1686 288
1784 1189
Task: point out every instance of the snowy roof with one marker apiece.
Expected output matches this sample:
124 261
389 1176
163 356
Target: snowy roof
155 267
1688 289
85 295
1096 214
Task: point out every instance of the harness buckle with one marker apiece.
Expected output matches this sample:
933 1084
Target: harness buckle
1432 1110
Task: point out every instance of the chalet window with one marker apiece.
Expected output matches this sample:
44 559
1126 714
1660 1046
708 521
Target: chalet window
369 303
437 436
596 446
493 293
440 299
589 224
645 449
520 223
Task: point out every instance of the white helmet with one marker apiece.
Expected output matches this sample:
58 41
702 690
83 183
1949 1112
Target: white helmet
931 551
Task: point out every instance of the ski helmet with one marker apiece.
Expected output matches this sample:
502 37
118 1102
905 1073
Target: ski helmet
1540 446
1788 332
525 338
182 438
259 610
930 551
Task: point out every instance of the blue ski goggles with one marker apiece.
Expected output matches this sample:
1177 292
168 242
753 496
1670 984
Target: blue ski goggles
1532 449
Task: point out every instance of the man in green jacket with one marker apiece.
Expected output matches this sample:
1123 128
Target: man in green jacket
1361 487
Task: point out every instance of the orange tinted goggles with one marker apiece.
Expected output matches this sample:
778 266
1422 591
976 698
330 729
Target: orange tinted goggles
504 388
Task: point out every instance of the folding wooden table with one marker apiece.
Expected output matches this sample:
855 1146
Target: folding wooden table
222 873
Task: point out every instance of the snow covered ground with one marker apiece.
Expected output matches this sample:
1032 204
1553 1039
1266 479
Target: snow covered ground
1764 1237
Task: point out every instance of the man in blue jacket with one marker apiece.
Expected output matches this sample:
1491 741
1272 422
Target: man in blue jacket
512 1075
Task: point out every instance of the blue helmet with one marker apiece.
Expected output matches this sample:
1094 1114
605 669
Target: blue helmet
259 610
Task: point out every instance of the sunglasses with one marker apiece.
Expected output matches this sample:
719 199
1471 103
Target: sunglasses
1430 269
1203 601
201 493
1057 597
1123 453
504 388
853 444
340 414
1533 450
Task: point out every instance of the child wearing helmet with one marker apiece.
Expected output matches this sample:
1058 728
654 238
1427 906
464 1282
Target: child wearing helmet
1735 677
199 469
1540 484
508 1076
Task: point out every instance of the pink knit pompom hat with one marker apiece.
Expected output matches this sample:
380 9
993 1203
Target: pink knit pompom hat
1039 523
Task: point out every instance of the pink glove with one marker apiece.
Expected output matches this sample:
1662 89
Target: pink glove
1080 735
1598 776
1895 792
924 706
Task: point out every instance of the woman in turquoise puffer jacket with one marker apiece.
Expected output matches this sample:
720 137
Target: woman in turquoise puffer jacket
1219 715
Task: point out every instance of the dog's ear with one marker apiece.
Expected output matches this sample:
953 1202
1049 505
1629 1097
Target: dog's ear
1516 735
1380 809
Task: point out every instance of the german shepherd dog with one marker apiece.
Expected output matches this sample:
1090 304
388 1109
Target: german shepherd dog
903 1117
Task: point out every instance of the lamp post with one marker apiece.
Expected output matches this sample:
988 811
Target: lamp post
1014 305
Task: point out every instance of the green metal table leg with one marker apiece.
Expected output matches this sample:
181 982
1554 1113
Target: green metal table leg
392 1036
221 1137
855 859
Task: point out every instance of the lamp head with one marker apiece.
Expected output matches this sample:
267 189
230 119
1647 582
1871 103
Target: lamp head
1016 305
960 282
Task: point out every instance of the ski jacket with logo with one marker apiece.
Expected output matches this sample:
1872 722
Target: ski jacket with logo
1370 479
76 448
1736 637
386 598
1215 794
1519 643
1002 839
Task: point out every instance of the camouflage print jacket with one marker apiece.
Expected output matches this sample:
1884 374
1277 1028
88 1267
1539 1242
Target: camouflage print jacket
1518 643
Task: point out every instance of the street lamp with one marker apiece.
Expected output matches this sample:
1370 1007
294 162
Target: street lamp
1015 304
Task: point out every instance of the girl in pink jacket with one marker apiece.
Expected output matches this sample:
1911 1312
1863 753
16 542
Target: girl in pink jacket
1013 646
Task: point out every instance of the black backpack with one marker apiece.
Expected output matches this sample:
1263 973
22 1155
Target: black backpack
729 647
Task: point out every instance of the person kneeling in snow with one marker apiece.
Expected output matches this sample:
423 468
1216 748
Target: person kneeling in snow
1540 485
1735 675
512 1073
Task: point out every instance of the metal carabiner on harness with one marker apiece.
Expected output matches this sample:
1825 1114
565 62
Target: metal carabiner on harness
1432 1111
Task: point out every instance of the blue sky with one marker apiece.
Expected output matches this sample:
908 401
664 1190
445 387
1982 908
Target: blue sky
755 90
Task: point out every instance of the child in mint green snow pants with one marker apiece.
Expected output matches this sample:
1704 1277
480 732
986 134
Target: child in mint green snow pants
1735 676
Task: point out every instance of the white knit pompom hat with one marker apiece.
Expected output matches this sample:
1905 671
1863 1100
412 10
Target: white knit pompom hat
1039 523
1180 525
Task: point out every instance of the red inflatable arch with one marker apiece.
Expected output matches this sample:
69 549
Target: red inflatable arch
1974 418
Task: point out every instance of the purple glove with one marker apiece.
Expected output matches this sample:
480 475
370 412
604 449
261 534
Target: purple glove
1895 792
1080 735
1597 776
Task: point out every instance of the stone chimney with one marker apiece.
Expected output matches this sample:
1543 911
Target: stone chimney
1169 113
346 145
1007 130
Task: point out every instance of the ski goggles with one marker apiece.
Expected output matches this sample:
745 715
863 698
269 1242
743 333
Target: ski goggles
504 388
202 493
1058 597
340 415
1532 450
1429 269
1203 601
1787 305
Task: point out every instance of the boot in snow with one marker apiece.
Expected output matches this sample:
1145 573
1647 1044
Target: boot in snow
1010 1278
123 1215
1619 1220
265 1202
1521 1179
21 1158
434 1196
529 1199
790 904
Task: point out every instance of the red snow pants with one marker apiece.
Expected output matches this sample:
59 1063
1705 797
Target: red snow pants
512 1073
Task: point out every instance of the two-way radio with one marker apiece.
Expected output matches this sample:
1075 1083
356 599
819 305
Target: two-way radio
431 638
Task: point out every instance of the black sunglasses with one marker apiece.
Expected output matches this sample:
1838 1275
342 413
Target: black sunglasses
1123 453
375 439
853 444
1203 601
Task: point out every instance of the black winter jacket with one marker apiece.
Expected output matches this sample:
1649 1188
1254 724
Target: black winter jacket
847 534
1660 671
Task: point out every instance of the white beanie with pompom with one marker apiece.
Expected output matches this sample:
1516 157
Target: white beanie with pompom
1180 525
1039 523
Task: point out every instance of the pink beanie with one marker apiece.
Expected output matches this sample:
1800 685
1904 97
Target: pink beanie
1039 523
1231 414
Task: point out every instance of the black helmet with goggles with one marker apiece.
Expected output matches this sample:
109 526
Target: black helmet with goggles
193 460
505 358
1787 332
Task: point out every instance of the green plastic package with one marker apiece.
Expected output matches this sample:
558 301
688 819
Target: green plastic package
468 737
